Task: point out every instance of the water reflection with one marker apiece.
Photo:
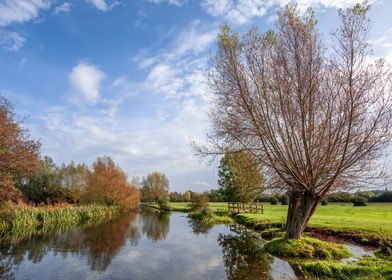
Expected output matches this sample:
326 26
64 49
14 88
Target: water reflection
137 246
244 257
200 227
155 224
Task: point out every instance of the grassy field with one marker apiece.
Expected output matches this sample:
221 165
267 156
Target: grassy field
374 219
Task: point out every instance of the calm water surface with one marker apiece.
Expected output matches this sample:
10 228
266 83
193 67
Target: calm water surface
146 245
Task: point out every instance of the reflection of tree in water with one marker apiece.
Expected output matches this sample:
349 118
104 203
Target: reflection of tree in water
100 243
6 268
200 227
243 256
155 225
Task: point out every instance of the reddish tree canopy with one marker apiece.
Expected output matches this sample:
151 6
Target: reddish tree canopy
19 154
107 184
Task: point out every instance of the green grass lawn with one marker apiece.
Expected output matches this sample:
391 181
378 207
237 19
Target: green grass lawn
374 219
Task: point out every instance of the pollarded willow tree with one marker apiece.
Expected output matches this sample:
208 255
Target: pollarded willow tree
315 118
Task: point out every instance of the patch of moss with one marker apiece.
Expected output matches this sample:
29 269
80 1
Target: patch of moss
208 217
365 268
326 270
270 233
257 224
216 219
306 248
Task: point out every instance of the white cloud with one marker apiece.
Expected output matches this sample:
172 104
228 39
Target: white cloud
194 40
147 62
85 80
149 141
99 4
179 72
216 7
241 11
384 42
63 8
11 41
103 5
21 10
170 2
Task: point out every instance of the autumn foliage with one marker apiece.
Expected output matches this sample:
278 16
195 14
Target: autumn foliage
107 184
18 153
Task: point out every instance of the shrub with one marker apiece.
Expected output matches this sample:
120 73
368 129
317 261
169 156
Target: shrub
324 202
164 204
273 200
340 197
384 197
359 201
284 199
199 202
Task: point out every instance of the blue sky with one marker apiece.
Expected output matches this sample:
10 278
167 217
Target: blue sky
125 78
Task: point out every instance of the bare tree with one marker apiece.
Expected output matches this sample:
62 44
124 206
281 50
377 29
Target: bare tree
317 118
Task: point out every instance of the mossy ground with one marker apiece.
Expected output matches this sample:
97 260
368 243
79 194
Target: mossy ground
306 248
316 259
211 218
364 268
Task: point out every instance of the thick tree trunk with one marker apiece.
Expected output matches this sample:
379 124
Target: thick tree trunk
301 208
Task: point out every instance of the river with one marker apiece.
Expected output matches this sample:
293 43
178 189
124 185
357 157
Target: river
146 245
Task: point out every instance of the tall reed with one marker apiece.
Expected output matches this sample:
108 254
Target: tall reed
26 218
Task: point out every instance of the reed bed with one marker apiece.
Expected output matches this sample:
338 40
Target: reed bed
24 218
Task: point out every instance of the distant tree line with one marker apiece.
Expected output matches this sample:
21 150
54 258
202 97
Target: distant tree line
239 177
371 196
104 183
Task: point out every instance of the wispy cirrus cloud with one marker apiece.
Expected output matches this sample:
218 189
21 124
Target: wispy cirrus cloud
170 2
11 41
242 11
62 8
104 5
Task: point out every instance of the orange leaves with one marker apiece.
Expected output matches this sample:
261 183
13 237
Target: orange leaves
18 153
107 184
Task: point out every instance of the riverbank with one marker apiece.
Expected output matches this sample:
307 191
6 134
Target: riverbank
21 220
370 225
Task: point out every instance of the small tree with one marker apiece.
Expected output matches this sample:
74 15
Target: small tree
18 153
107 184
316 120
74 178
155 187
226 180
247 178
240 177
199 202
45 186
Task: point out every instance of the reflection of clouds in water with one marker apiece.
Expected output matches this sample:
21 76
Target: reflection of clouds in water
214 262
281 269
130 256
140 246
